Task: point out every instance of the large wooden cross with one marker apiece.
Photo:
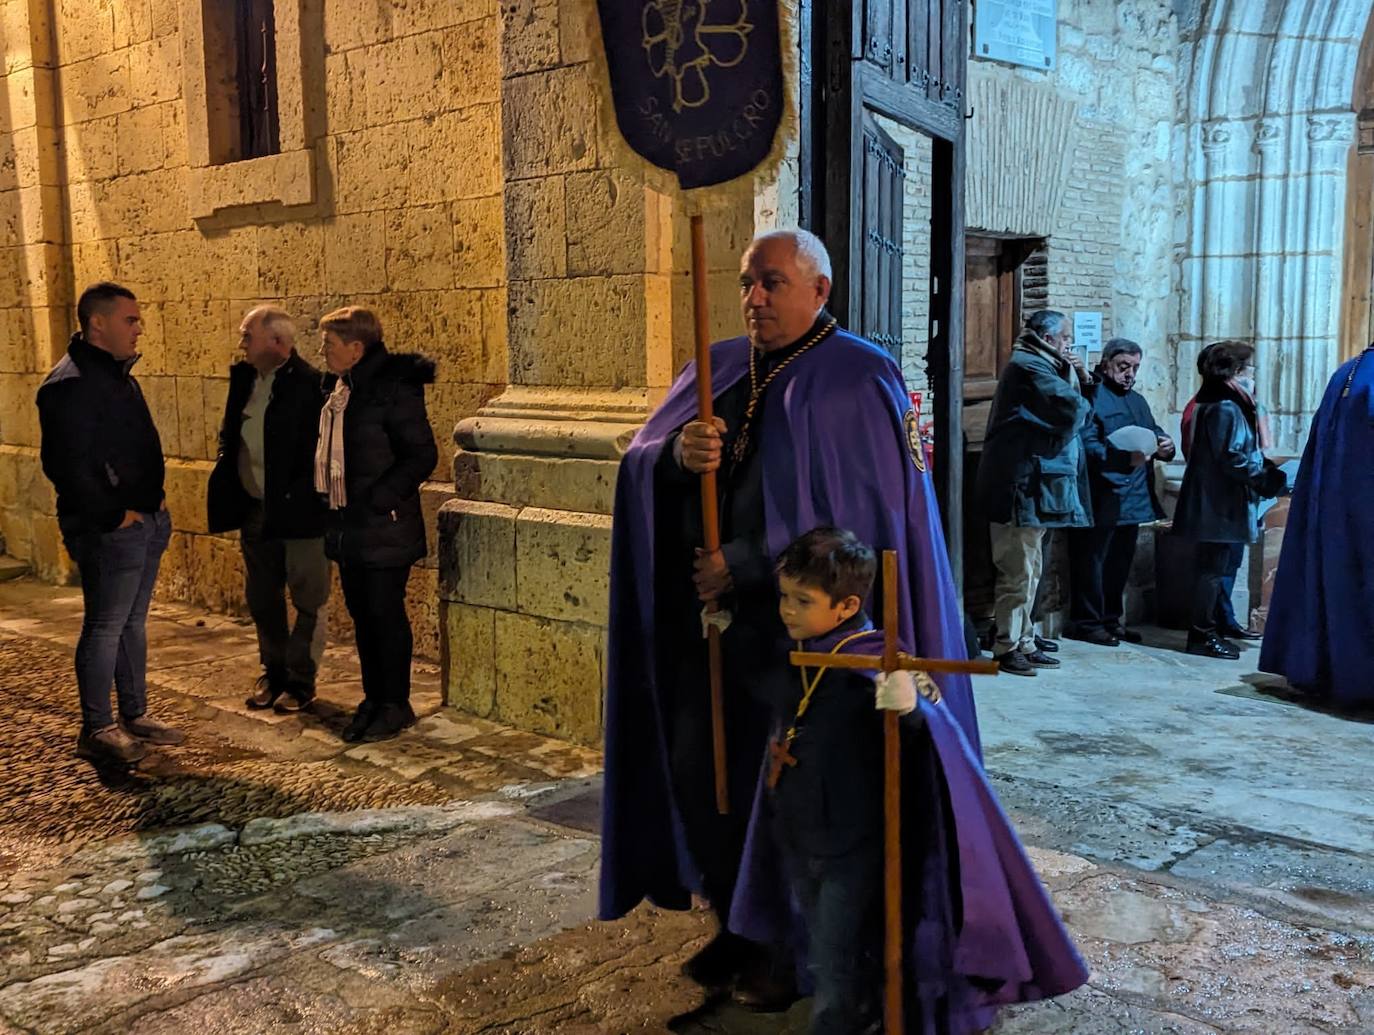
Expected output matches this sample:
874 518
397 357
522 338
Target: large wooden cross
891 660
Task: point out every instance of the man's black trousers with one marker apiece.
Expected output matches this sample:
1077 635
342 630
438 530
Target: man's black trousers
1099 567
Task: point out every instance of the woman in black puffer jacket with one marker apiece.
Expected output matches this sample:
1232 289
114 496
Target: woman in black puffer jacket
375 450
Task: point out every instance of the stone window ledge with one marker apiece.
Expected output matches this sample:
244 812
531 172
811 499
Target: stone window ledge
286 179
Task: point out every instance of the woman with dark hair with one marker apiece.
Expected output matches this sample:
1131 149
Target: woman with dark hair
375 450
1226 477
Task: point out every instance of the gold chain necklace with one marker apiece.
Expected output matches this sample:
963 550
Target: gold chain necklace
741 446
780 748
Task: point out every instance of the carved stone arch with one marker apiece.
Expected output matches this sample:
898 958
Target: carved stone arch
1268 127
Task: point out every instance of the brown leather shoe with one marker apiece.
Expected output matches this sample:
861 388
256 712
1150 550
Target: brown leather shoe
109 744
269 688
296 698
154 732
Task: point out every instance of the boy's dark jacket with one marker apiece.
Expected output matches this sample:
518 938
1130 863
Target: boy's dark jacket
100 447
831 800
389 451
981 931
291 507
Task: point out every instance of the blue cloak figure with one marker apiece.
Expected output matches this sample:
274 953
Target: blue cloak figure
1318 632
840 448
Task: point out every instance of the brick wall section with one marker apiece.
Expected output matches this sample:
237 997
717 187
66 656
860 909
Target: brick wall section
1082 249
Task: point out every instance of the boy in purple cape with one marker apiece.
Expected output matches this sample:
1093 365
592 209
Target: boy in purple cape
824 775
814 427
980 931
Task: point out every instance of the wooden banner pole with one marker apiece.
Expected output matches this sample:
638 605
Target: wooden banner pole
892 815
710 518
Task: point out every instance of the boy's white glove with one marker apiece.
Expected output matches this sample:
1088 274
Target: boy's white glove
720 619
895 692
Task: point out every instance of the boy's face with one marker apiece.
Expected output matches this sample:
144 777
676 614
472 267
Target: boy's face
808 611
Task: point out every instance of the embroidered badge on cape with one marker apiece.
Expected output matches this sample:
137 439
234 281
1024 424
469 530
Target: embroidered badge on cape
913 441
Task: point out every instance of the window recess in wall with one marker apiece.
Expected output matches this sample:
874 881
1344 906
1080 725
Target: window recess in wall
245 113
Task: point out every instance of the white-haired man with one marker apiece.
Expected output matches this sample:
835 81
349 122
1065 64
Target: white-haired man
812 426
264 484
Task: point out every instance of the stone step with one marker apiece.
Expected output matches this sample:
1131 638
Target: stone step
10 568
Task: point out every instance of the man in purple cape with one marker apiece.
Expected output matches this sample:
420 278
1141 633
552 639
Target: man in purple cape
1317 632
829 438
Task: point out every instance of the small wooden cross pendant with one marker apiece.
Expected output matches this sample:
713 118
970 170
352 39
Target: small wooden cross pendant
781 757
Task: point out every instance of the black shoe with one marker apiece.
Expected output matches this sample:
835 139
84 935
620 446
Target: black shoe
360 721
1126 635
389 721
1235 632
1014 663
1039 659
1048 646
719 962
767 986
270 686
1212 646
1101 637
297 698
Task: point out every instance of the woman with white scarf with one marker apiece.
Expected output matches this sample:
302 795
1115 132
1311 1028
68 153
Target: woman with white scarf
375 450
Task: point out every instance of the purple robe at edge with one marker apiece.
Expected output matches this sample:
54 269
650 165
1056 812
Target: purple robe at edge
835 451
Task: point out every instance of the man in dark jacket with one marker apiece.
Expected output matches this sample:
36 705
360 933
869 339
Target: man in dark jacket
1032 475
375 450
101 451
1123 498
264 484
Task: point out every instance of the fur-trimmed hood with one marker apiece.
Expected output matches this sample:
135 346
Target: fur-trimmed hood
380 365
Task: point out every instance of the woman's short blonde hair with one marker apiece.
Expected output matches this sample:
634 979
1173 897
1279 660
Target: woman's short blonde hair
353 323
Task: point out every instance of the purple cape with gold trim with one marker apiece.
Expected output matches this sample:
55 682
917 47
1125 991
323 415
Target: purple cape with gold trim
835 451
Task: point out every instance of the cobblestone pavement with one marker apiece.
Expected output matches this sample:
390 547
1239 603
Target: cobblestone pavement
267 878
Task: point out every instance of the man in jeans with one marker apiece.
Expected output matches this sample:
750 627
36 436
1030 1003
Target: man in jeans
102 453
263 483
1032 475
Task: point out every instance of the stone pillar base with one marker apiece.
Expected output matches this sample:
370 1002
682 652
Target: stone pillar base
524 556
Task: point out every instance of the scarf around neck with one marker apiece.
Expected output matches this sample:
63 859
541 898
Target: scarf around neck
329 452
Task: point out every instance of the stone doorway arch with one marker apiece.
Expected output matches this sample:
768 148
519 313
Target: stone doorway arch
1265 143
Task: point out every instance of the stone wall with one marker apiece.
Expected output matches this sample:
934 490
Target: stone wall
1262 148
600 321
1090 144
388 194
1080 156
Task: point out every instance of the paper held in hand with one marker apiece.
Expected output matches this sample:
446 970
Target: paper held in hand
1135 439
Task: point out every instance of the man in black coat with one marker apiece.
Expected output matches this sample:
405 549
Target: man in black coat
376 448
263 483
101 451
1123 499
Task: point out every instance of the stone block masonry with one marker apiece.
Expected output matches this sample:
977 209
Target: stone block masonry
104 174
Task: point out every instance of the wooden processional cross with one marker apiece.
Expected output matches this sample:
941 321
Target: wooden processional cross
891 660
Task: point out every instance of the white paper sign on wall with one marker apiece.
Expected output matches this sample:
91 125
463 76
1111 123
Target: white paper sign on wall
1087 333
1019 31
